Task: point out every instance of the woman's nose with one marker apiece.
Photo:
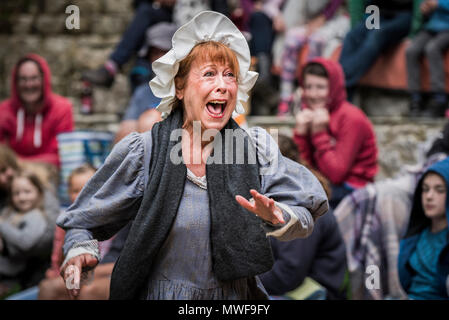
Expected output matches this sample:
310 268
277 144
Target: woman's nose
221 84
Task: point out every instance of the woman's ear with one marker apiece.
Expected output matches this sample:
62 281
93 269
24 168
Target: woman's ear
179 91
179 94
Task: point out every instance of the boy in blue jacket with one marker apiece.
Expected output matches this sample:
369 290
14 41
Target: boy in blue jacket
424 252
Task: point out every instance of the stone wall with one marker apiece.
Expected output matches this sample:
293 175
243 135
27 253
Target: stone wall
39 26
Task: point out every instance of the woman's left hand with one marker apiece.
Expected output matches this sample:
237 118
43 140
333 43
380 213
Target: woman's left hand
262 206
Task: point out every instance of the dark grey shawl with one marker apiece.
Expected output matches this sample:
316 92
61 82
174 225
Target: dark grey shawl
239 245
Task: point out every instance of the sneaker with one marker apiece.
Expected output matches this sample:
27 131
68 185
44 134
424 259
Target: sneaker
100 77
415 107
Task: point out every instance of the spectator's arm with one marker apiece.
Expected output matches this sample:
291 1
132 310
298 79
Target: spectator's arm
292 265
331 8
65 122
304 147
335 161
56 255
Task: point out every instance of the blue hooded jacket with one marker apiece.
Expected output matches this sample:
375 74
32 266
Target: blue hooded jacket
439 19
417 224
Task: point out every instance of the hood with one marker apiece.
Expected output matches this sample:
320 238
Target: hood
18 107
418 221
337 90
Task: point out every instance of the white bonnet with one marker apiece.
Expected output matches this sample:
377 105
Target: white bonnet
205 26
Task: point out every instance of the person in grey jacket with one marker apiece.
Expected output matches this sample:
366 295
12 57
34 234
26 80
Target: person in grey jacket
195 234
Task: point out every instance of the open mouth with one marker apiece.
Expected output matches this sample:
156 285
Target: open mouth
216 108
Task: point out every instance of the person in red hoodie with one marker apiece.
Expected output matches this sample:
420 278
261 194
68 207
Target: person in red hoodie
333 135
33 116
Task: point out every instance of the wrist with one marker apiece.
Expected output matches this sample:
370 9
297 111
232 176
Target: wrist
318 129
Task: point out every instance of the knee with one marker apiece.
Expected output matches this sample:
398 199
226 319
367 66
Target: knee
432 49
52 289
413 52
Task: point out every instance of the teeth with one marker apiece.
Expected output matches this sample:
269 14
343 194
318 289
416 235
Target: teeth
217 102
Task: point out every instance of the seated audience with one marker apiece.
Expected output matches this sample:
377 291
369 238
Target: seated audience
148 13
432 41
33 116
332 135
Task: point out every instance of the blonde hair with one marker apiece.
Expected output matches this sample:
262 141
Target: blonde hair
84 168
35 181
8 158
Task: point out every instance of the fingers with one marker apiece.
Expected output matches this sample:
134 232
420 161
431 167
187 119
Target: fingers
72 270
245 203
91 261
71 275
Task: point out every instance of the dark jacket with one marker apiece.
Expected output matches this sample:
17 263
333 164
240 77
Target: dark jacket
418 222
321 256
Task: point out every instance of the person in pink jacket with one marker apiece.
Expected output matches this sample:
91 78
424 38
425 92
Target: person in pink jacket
333 135
33 116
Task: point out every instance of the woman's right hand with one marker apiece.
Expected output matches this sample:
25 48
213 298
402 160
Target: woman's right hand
71 272
303 121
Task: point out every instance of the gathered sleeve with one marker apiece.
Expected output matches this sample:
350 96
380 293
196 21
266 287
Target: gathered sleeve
110 199
296 191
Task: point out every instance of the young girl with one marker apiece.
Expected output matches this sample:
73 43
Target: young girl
22 223
424 252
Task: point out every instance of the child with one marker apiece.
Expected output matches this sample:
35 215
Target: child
423 263
22 224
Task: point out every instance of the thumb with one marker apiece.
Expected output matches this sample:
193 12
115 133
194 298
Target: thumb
90 261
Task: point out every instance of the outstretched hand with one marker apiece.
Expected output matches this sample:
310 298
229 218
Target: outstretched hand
71 272
262 206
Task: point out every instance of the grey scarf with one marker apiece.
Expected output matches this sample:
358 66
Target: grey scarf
239 245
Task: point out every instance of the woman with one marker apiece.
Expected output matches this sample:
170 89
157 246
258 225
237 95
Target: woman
192 235
332 134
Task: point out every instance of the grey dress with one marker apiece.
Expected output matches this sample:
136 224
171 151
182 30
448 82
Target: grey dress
183 267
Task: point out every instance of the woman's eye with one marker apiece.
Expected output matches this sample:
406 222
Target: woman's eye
209 74
230 74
